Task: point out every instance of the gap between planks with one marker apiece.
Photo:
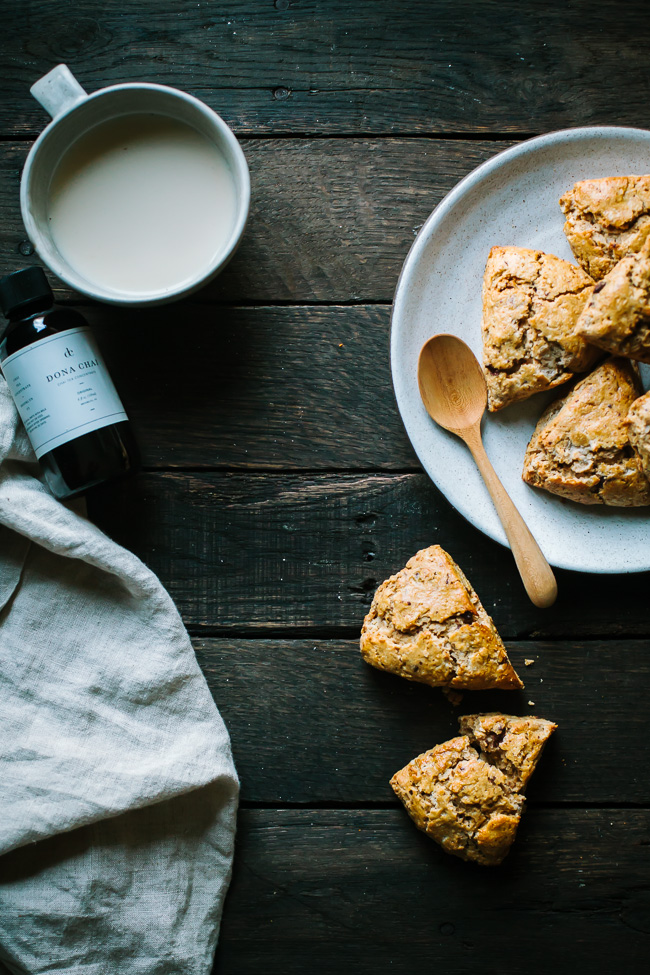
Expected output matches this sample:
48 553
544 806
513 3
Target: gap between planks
252 135
388 805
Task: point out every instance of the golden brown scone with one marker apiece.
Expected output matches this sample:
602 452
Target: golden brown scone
461 801
607 219
427 624
638 428
581 449
617 315
471 804
531 304
513 744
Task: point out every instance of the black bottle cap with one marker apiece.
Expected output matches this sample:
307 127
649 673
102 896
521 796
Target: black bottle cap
25 291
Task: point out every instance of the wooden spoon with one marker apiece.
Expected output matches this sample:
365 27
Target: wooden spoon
453 390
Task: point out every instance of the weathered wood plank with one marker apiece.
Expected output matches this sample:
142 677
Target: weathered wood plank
331 219
364 891
268 552
312 723
281 387
368 67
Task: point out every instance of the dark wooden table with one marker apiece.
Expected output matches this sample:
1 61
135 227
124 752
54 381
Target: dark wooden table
279 488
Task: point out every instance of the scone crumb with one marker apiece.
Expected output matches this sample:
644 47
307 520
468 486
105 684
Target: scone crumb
528 662
452 696
531 704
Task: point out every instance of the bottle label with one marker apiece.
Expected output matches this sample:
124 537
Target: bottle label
62 389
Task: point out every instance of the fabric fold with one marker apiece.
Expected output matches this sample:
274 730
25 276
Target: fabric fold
108 733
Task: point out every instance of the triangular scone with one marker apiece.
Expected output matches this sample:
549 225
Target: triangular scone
531 303
581 449
513 744
606 219
427 624
466 802
617 315
461 801
638 428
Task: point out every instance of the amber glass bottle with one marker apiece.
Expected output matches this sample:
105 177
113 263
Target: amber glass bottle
66 399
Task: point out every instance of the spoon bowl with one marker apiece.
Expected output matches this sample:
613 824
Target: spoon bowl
451 381
454 393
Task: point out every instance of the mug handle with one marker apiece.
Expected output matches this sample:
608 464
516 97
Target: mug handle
58 90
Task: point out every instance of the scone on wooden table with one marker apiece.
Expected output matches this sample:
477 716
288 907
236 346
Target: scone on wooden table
581 447
638 427
616 317
461 801
427 624
531 304
607 219
470 802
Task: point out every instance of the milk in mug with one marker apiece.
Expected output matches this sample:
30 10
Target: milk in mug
142 203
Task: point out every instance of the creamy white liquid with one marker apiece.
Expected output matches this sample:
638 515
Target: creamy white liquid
142 203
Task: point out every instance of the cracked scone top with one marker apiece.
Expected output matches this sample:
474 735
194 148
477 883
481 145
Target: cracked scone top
606 219
531 304
471 803
581 448
616 317
512 744
427 624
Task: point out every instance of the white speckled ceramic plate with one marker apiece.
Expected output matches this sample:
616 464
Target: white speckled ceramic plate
512 199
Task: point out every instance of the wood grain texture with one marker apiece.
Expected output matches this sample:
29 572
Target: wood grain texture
331 219
296 66
269 552
325 891
257 387
274 551
312 723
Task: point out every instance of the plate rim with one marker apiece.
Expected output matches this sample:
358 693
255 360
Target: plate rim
449 200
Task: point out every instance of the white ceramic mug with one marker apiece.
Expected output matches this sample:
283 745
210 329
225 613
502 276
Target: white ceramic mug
73 113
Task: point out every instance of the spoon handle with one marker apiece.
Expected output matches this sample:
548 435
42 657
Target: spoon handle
536 574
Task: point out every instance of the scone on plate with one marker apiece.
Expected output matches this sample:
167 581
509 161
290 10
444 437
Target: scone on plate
470 802
427 624
638 428
531 304
581 448
607 219
617 315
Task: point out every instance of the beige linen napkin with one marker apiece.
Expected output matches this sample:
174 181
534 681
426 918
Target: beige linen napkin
118 792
